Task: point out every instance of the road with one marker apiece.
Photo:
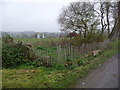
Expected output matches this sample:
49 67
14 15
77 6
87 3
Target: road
105 76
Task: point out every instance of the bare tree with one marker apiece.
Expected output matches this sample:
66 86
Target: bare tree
108 12
85 18
114 11
102 16
107 9
79 16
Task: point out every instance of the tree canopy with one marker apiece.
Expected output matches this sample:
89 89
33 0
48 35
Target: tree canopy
89 17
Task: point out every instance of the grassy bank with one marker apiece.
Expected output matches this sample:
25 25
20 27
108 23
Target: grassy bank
41 77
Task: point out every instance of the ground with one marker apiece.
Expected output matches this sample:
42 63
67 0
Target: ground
41 77
106 76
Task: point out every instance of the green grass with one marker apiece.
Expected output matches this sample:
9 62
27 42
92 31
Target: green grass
39 41
34 39
41 77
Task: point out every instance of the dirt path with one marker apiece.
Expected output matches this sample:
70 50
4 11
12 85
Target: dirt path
106 76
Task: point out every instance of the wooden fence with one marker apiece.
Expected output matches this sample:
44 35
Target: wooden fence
69 52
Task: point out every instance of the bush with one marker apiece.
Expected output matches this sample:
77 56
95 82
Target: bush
78 41
71 67
95 37
60 67
14 54
7 38
33 63
81 62
47 56
90 38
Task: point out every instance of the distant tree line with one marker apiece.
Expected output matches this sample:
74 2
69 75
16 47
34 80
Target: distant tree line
30 34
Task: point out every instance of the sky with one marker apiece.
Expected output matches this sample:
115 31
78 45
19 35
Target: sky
31 15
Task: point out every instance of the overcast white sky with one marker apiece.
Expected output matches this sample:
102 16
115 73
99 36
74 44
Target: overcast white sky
31 15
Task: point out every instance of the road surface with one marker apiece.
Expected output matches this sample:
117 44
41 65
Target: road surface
106 76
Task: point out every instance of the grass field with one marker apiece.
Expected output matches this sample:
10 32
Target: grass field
41 77
39 41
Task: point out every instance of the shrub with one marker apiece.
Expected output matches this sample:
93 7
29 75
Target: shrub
90 38
71 67
14 54
7 38
95 37
46 55
60 67
81 62
78 41
33 63
102 38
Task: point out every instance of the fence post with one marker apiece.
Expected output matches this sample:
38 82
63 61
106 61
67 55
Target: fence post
65 52
72 52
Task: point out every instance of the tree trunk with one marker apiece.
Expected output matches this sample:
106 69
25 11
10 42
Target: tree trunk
107 16
114 30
